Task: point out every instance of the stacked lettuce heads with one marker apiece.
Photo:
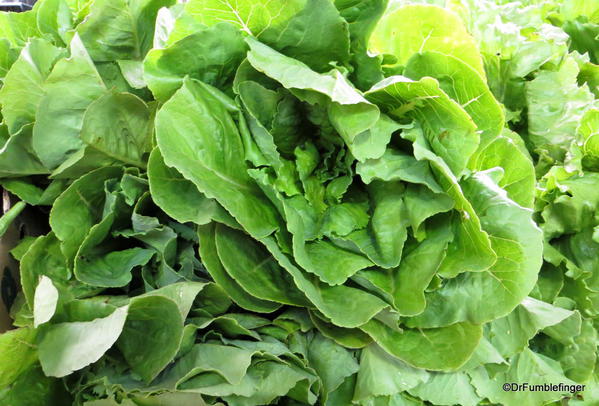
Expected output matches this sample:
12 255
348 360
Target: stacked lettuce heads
302 202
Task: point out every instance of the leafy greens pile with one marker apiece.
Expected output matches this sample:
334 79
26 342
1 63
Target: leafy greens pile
302 202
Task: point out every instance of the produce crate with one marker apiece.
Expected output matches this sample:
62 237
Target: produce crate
28 223
8 272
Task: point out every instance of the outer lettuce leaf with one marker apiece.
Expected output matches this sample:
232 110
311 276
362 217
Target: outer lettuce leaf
437 349
428 28
18 353
320 48
464 85
8 57
332 363
518 178
68 347
208 250
448 128
172 192
47 390
284 25
79 208
222 174
255 269
16 156
448 389
71 87
523 323
23 84
45 301
209 54
381 374
121 30
251 17
583 35
17 28
513 235
332 301
56 18
151 335
106 121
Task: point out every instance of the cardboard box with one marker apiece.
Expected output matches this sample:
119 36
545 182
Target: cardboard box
9 270
32 221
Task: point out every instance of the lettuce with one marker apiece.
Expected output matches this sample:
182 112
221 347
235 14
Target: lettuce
301 202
